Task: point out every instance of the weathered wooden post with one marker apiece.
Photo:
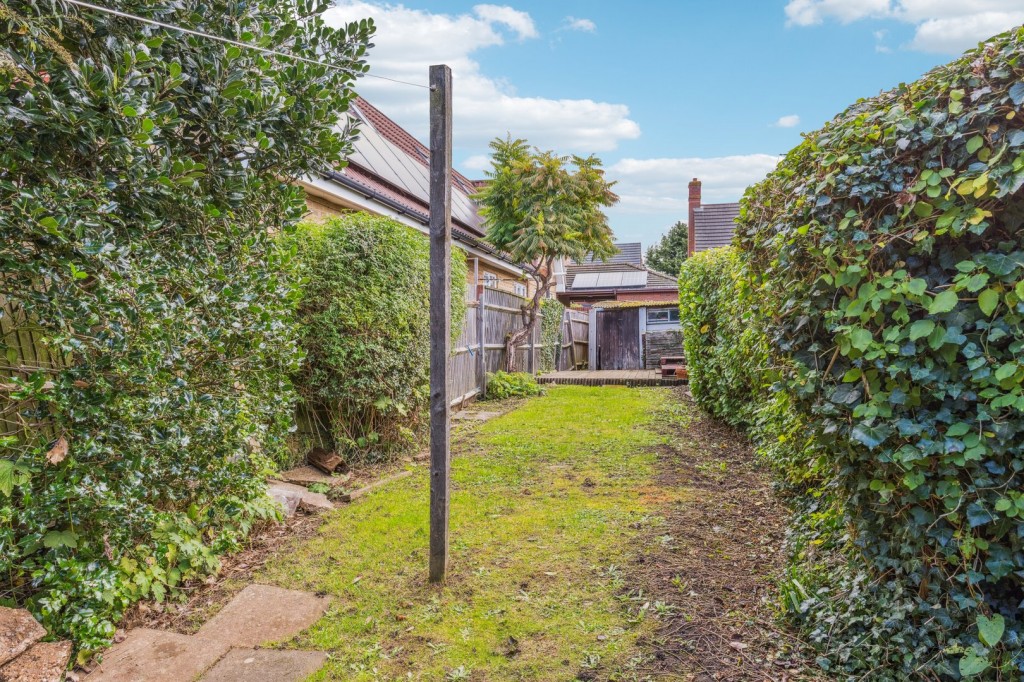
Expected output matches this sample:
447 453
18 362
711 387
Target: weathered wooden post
440 313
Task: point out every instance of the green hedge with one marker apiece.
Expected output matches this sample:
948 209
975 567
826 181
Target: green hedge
365 329
884 261
140 171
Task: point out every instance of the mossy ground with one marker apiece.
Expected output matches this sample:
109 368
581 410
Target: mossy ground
549 502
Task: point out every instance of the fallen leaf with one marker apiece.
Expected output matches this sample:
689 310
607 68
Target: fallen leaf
738 646
58 452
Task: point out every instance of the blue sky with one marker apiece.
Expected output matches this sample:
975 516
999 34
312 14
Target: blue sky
662 91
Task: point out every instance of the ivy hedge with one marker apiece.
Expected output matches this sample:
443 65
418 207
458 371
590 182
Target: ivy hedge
140 172
550 334
881 268
365 330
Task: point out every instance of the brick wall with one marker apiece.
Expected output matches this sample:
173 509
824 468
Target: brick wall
321 210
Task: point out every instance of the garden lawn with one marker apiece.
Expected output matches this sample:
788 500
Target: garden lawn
549 502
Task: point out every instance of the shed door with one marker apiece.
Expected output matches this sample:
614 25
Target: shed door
618 339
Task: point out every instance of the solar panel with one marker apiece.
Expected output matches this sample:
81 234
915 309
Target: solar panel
609 280
585 280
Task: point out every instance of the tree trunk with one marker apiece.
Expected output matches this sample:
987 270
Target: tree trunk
529 314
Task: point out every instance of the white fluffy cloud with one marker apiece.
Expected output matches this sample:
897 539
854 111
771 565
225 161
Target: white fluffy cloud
945 26
660 185
576 24
790 121
409 40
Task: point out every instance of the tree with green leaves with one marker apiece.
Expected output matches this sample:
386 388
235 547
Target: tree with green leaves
668 254
143 175
540 207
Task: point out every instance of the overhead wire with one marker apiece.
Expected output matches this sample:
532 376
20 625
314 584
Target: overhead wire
236 43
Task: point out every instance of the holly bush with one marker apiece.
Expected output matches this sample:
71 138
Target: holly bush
883 260
365 330
140 172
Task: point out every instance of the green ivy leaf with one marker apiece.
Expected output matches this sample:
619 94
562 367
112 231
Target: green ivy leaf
975 143
988 301
990 630
860 339
61 538
972 664
944 302
129 111
921 329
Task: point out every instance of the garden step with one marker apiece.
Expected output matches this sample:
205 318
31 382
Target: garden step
291 496
18 631
43 662
261 613
265 665
158 656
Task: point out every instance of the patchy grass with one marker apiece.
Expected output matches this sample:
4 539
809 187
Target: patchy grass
549 505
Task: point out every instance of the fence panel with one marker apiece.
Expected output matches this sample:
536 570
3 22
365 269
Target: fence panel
575 340
23 353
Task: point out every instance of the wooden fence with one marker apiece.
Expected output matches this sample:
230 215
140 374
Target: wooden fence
22 354
575 340
480 348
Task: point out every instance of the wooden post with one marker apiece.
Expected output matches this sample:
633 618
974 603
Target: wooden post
481 307
440 313
572 342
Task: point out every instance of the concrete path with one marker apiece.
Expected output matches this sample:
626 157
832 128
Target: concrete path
226 648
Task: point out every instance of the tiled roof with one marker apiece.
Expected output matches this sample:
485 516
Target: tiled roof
628 252
713 225
387 160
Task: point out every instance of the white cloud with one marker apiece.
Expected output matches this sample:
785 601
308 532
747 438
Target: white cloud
790 121
520 22
584 25
484 107
477 162
659 186
945 26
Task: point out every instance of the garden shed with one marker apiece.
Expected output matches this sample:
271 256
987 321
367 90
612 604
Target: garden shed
633 334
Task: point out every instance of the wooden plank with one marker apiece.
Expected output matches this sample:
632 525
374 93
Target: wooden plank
440 314
356 494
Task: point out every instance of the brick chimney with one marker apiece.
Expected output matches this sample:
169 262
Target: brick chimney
691 245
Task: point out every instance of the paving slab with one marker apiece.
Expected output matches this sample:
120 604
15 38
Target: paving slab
479 416
306 499
18 631
43 662
307 475
265 665
158 656
261 613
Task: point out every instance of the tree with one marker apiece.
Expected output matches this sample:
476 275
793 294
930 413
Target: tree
143 174
539 207
668 254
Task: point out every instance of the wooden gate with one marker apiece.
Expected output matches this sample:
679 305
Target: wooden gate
618 339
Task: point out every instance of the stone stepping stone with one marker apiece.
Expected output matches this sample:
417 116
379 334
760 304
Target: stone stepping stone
43 662
292 496
158 656
261 613
18 631
265 665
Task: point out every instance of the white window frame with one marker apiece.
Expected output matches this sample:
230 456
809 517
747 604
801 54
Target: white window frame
490 280
521 289
654 315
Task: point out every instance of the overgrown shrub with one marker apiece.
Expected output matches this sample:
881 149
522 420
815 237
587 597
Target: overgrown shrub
365 325
502 385
885 256
550 334
140 170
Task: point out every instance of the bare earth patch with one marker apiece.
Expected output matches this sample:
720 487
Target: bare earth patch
713 563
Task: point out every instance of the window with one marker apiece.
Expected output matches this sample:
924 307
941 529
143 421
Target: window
662 315
520 289
490 280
